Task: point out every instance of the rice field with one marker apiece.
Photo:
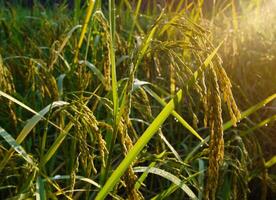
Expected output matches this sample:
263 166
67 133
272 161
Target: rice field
138 99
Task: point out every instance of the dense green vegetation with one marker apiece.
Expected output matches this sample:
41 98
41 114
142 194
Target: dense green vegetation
138 100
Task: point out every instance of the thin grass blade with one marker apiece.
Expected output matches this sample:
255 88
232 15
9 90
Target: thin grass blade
94 69
40 190
169 177
205 64
15 146
52 150
271 162
251 110
84 27
259 125
67 177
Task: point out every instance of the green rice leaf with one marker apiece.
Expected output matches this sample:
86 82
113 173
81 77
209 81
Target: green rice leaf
7 96
144 176
271 162
60 79
94 69
52 150
251 110
84 27
169 177
81 178
139 145
259 125
15 146
205 64
40 190
36 118
112 58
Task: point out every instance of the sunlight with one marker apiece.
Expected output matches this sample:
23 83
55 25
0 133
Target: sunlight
261 18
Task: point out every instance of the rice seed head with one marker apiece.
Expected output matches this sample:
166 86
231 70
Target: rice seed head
129 178
216 148
226 89
218 89
6 80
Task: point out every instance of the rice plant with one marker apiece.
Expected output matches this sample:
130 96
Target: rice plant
137 99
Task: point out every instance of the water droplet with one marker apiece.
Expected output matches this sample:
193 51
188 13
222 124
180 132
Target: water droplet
201 145
266 124
57 176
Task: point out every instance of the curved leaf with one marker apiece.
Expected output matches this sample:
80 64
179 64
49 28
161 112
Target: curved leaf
168 176
15 146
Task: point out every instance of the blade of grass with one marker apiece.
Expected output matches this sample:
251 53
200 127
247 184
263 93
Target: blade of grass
54 185
141 179
167 192
145 46
64 42
200 178
27 107
251 110
179 5
17 102
40 190
60 79
84 27
134 22
205 64
94 70
271 162
36 118
77 10
169 177
139 145
52 150
259 125
177 156
15 146
112 56
81 178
